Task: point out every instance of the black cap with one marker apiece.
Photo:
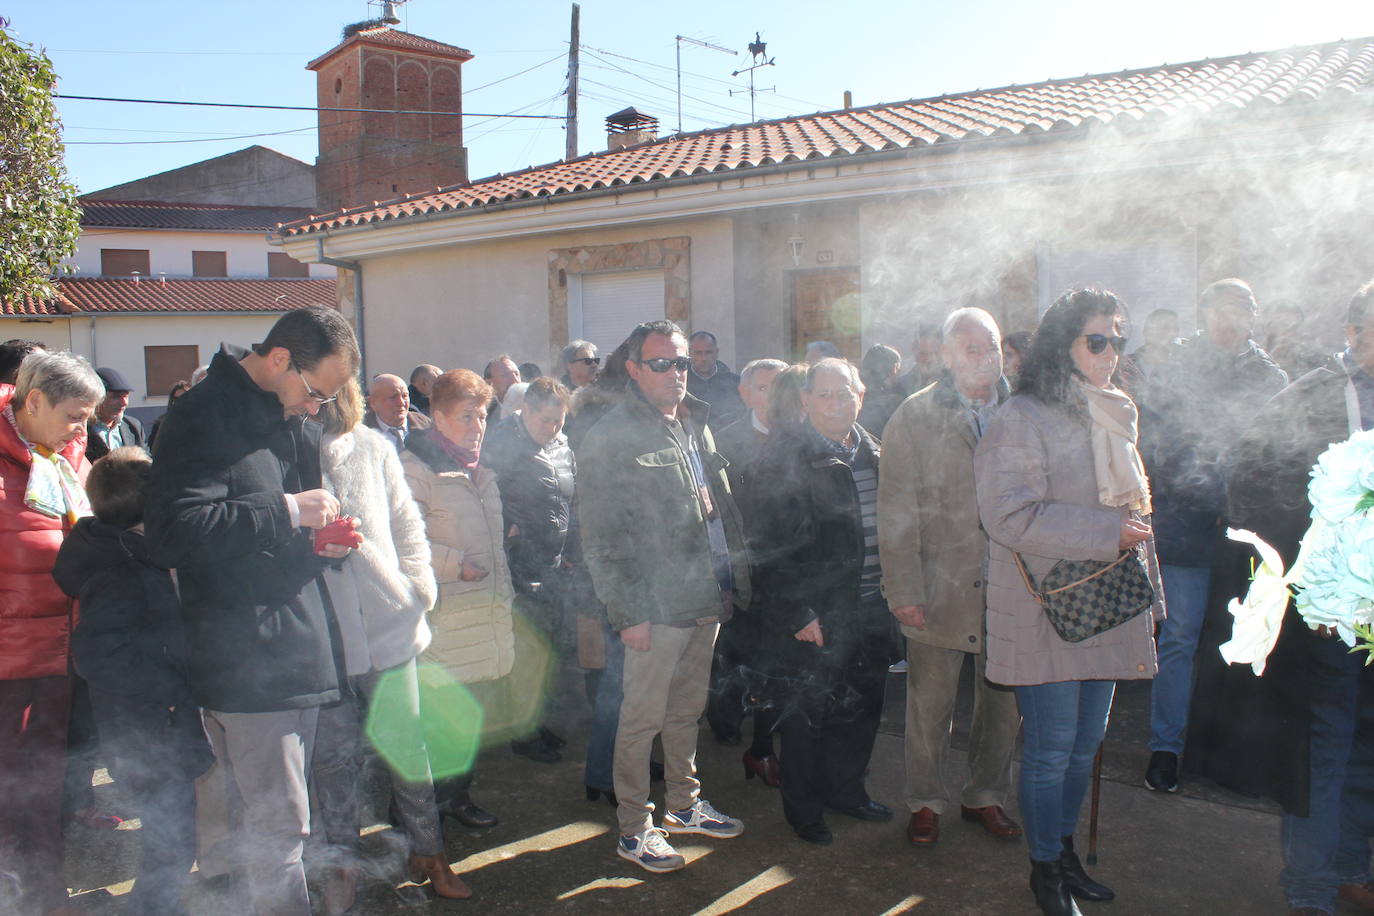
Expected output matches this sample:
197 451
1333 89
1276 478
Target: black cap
113 380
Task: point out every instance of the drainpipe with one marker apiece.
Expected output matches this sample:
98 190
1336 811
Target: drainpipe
357 268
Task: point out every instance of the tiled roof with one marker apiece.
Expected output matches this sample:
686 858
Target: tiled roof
1248 82
385 35
106 295
156 214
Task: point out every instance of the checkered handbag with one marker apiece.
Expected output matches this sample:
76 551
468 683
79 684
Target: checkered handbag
1083 598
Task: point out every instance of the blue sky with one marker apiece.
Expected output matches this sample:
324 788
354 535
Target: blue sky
253 51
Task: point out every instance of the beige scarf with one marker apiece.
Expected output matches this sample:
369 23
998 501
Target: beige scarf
1120 473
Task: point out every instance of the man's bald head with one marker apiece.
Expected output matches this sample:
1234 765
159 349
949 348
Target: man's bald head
422 377
389 399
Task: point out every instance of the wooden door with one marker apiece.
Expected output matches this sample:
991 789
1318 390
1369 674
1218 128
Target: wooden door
825 306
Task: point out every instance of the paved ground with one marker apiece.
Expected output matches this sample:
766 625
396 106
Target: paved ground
1200 851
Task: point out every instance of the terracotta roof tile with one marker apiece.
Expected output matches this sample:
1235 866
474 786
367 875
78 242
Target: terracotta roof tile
385 35
102 295
156 214
1248 81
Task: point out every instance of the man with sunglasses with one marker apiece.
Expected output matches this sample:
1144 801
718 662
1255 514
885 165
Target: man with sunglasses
1193 412
234 500
664 544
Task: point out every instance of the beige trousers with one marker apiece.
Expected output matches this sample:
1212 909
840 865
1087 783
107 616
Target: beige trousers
932 683
665 695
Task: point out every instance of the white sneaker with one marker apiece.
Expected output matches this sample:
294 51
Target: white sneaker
898 667
702 818
650 850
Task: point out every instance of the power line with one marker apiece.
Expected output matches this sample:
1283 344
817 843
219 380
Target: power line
558 56
388 111
274 133
714 79
668 89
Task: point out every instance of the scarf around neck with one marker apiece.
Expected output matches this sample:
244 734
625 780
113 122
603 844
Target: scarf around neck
1121 480
466 458
53 488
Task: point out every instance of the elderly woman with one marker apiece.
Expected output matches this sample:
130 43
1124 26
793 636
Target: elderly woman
42 474
474 634
380 597
827 631
1059 478
535 469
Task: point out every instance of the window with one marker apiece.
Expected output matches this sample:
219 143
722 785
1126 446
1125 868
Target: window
124 262
163 367
209 264
281 264
610 304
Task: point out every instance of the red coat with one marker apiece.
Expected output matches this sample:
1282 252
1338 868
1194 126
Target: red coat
36 618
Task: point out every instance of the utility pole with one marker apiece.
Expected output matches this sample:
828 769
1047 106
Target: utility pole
575 43
700 44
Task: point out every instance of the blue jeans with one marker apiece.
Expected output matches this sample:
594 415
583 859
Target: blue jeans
1330 846
1185 592
600 771
1063 725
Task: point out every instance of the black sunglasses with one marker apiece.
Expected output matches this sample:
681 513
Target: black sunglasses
1098 342
589 360
663 363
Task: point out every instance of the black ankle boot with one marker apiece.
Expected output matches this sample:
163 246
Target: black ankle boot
1079 884
1051 893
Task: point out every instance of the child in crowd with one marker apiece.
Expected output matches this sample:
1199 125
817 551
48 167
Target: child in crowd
129 645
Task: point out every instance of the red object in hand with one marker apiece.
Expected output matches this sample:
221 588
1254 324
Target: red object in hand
342 531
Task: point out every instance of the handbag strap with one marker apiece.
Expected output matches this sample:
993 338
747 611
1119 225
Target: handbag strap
1041 596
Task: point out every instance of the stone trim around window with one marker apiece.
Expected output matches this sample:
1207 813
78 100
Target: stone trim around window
672 255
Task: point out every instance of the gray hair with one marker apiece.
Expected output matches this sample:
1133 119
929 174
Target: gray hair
199 375
566 354
746 374
965 317
833 364
59 375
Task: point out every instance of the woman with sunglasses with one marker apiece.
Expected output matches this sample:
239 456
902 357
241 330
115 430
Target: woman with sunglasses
1059 478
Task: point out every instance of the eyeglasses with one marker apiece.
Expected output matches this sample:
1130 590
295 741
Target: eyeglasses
663 364
1098 342
588 360
315 396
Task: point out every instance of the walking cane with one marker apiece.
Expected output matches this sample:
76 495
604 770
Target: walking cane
1092 811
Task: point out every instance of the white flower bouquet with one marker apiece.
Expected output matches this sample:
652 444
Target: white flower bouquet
1333 576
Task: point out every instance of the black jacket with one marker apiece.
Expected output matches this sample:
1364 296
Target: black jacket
1195 408
806 541
260 630
536 487
133 435
721 391
130 639
1245 732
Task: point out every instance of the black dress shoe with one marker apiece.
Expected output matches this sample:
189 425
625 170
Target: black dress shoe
471 815
1077 880
868 811
593 793
1162 773
557 742
817 833
1051 892
536 750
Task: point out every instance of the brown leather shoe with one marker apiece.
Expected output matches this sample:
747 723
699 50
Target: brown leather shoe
994 820
1359 896
924 828
442 880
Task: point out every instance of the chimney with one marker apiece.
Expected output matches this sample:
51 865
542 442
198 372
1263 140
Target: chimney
628 127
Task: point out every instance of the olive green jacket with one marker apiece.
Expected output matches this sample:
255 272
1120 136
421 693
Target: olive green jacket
643 533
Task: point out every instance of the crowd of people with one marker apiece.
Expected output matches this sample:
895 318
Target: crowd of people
254 601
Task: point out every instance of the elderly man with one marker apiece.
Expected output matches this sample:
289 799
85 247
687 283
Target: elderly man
502 373
110 428
933 554
664 544
712 381
421 383
388 410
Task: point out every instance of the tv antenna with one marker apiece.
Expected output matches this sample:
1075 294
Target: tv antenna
759 49
699 44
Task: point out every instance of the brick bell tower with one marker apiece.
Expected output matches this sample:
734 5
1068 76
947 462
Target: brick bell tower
367 157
